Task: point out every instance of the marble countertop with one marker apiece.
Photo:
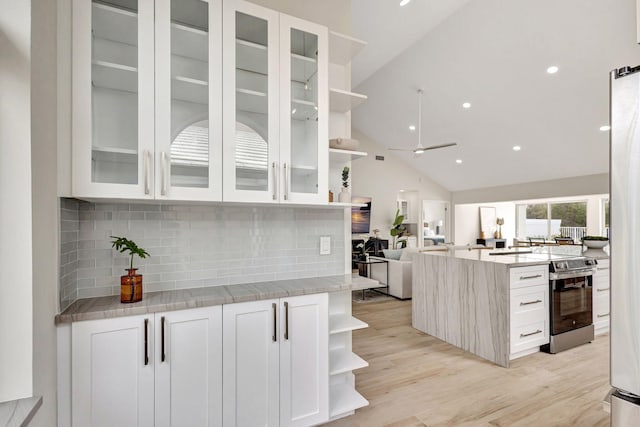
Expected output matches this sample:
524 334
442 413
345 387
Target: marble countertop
521 257
110 306
18 413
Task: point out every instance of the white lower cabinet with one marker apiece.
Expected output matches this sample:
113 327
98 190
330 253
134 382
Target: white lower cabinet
601 297
529 310
162 370
188 368
276 362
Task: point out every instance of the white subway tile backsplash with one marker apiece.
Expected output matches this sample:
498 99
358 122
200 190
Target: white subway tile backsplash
193 246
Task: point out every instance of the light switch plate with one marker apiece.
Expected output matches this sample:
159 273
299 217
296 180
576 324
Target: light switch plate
325 245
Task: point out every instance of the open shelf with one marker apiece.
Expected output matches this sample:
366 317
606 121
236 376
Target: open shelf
348 205
342 156
343 48
342 101
343 398
344 322
342 361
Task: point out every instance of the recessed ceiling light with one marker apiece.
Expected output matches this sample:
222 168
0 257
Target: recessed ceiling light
458 161
412 127
516 148
605 128
404 2
553 69
466 105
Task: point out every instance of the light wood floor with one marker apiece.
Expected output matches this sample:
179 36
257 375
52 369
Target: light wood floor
414 379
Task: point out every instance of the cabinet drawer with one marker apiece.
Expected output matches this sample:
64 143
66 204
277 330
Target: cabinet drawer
528 336
600 307
529 304
529 276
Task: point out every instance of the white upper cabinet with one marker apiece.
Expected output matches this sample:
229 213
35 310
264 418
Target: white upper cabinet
276 108
112 98
150 79
188 75
147 99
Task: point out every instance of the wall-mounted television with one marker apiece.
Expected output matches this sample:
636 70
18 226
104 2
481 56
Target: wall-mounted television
361 215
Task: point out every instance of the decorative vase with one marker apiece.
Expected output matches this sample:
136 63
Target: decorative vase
499 236
131 286
344 196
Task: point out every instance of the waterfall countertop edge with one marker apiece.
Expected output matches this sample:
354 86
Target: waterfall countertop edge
16 413
152 302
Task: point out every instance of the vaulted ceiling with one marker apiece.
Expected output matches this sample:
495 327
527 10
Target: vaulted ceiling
493 54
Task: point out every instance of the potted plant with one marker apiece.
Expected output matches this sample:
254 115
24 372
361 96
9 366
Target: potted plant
131 284
345 195
398 230
595 242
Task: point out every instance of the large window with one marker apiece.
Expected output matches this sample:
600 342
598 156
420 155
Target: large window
550 220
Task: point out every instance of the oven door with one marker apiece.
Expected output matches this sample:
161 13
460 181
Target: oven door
571 303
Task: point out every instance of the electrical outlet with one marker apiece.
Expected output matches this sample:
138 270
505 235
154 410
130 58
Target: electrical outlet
325 245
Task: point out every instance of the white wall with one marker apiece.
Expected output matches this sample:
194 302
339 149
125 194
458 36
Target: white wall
567 187
382 181
467 222
15 208
45 207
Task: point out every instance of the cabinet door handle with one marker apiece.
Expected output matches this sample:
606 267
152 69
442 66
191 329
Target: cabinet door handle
286 320
146 341
603 315
162 355
147 156
163 161
274 307
286 184
275 180
530 277
602 289
530 302
602 268
530 333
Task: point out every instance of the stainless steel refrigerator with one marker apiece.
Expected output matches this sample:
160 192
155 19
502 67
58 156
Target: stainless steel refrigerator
625 246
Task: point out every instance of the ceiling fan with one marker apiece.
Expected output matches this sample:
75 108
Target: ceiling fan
420 148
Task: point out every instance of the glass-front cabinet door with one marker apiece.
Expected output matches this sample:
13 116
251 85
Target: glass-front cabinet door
250 98
304 111
113 99
188 81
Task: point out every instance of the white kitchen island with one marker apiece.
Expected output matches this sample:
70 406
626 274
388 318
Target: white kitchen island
494 306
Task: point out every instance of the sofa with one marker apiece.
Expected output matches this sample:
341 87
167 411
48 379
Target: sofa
400 272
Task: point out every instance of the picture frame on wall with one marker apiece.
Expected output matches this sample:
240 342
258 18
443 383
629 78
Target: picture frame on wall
488 224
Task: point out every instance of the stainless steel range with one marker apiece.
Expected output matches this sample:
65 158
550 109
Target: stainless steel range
571 303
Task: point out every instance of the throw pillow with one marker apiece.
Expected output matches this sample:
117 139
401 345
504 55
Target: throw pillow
392 253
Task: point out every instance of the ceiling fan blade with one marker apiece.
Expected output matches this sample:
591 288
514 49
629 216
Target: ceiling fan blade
434 147
401 149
